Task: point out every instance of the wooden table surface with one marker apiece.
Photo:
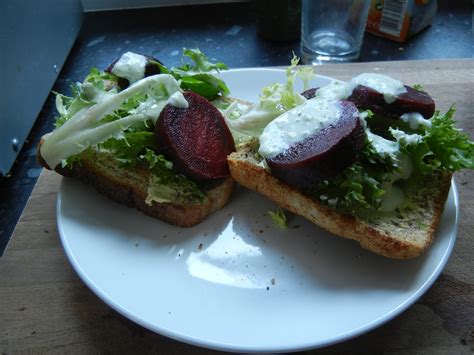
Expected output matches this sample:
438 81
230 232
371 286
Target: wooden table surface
45 307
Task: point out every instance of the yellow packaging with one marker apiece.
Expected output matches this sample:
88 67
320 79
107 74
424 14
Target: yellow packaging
400 19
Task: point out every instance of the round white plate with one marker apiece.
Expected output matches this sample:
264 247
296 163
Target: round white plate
236 282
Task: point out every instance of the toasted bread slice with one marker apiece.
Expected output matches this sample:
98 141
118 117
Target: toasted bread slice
405 233
129 187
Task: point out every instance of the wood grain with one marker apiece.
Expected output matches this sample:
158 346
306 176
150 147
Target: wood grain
44 307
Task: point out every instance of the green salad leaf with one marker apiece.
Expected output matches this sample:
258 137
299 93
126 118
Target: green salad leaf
99 78
419 87
130 146
120 122
442 147
438 148
279 218
167 186
275 99
359 185
68 106
137 149
202 62
283 97
200 77
96 84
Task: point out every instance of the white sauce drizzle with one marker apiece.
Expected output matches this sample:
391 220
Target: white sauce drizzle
384 147
415 120
406 138
80 131
392 198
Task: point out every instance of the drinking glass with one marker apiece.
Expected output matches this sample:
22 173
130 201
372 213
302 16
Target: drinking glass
332 30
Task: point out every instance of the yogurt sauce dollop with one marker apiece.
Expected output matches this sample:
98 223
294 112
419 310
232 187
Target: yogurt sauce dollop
297 124
130 66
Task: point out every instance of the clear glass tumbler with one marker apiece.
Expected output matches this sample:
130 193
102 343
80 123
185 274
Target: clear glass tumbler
332 30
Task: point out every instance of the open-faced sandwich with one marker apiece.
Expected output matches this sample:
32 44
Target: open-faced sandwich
369 159
147 136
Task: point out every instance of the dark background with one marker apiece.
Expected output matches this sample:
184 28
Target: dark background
226 32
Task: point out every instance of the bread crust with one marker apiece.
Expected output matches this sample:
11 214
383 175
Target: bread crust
379 236
129 187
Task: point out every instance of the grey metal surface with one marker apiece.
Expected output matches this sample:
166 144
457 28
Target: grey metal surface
35 39
106 5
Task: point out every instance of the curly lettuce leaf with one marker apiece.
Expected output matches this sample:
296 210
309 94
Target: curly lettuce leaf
137 149
439 148
202 62
95 86
451 149
283 97
306 75
359 186
123 123
100 78
201 77
279 218
130 146
68 106
419 87
275 99
84 129
165 185
202 87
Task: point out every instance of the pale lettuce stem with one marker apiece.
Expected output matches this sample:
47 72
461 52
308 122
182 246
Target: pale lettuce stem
79 141
88 116
53 152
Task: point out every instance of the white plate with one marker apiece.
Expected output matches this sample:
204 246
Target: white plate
236 282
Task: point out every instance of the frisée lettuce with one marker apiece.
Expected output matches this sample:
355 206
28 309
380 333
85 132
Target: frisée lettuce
437 148
274 100
100 117
199 77
403 152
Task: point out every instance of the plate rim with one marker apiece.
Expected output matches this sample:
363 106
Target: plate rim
222 346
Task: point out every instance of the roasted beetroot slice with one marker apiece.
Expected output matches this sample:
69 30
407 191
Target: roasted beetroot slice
324 154
416 101
196 139
310 93
150 69
410 101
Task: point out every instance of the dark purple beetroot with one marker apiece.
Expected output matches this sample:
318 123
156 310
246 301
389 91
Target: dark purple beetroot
310 93
196 139
410 101
324 154
150 69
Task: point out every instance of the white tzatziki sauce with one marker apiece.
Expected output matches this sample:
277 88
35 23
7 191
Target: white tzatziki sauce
392 198
297 124
384 147
130 66
415 120
178 100
409 139
390 88
336 90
